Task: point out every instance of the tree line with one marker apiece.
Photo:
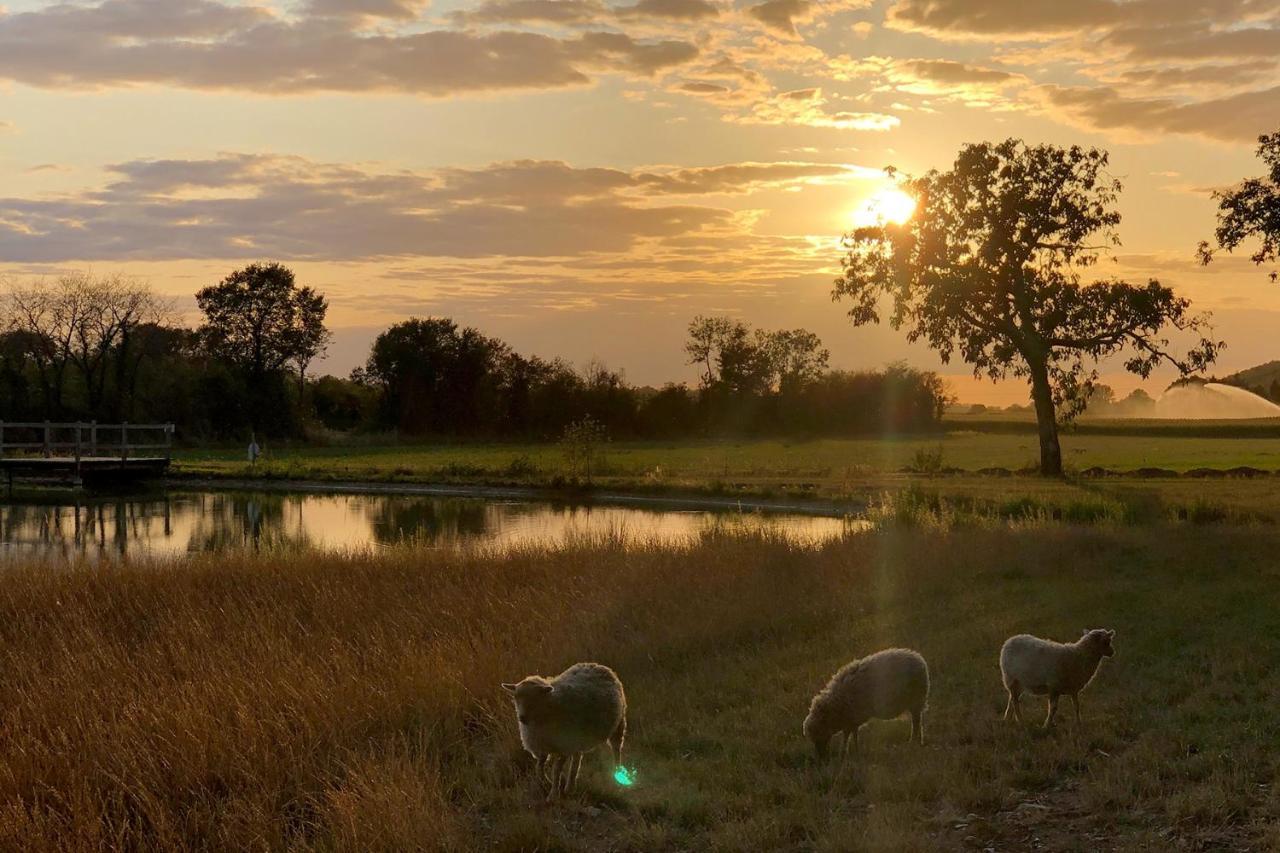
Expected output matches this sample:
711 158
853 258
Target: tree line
85 348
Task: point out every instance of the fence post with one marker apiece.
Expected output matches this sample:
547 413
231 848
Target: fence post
168 442
93 438
48 451
124 442
1 439
79 441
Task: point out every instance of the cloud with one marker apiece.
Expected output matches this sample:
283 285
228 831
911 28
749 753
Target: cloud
239 206
784 16
533 11
205 45
676 10
808 107
1235 118
968 18
405 10
944 77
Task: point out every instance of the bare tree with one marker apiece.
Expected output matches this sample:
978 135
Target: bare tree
82 323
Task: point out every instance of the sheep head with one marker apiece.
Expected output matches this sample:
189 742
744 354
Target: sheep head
820 726
1099 639
529 694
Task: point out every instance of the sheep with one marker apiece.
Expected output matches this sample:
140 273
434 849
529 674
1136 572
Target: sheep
1053 669
882 686
561 718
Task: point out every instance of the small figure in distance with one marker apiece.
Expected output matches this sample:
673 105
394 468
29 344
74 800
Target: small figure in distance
1047 668
882 686
561 718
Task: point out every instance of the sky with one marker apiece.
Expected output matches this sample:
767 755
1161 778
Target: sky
583 177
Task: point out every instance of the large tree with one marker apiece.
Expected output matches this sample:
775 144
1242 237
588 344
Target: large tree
990 268
435 377
738 359
259 319
1252 210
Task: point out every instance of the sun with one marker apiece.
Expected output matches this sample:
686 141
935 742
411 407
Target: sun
889 205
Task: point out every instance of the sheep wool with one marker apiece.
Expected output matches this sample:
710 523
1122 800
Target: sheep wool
882 686
563 717
1048 668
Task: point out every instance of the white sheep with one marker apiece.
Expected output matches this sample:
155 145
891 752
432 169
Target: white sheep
563 717
882 686
1046 668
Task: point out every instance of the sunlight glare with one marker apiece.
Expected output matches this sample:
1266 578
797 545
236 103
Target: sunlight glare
889 205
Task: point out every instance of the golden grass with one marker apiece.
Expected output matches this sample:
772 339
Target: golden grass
351 702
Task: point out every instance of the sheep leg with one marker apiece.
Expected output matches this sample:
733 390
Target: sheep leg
850 744
917 727
1053 710
1075 702
557 764
1014 708
575 762
615 741
542 768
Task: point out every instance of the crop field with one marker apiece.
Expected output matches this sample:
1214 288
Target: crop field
351 701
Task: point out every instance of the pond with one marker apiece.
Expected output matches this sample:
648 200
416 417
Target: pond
182 522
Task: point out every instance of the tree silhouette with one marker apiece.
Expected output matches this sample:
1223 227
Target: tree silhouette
258 318
1252 209
989 268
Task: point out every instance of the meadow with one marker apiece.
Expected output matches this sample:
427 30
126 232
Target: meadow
304 701
761 461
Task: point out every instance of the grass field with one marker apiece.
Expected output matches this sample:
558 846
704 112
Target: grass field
351 702
833 468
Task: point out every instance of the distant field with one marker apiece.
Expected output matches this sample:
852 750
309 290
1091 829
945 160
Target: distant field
823 462
337 702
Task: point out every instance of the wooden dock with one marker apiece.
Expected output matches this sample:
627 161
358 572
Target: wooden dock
84 453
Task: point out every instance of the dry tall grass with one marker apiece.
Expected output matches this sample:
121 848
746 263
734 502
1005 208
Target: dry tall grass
342 702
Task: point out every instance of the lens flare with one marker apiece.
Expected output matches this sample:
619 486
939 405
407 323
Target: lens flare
624 777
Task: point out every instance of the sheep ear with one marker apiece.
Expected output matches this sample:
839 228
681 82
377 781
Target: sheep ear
510 688
1111 635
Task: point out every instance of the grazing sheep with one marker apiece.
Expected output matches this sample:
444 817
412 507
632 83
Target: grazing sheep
1053 669
881 686
563 717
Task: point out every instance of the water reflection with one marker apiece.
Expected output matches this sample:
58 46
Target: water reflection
185 522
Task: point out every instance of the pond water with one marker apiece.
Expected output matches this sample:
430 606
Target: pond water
186 522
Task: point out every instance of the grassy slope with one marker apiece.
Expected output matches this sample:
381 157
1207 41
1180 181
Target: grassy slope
330 702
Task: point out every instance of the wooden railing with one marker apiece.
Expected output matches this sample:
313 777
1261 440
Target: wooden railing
85 440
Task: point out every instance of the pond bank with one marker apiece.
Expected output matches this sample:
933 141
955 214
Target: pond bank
832 509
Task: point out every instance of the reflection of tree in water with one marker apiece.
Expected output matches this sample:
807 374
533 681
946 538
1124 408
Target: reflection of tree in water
88 526
430 520
228 520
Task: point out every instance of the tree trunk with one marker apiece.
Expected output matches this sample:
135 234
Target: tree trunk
1047 419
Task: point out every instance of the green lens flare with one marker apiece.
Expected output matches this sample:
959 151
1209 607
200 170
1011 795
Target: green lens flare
624 777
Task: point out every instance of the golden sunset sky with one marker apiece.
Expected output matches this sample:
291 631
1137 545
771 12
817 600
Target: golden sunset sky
581 177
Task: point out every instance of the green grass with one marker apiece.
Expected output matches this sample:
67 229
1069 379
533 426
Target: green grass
350 702
814 460
836 468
